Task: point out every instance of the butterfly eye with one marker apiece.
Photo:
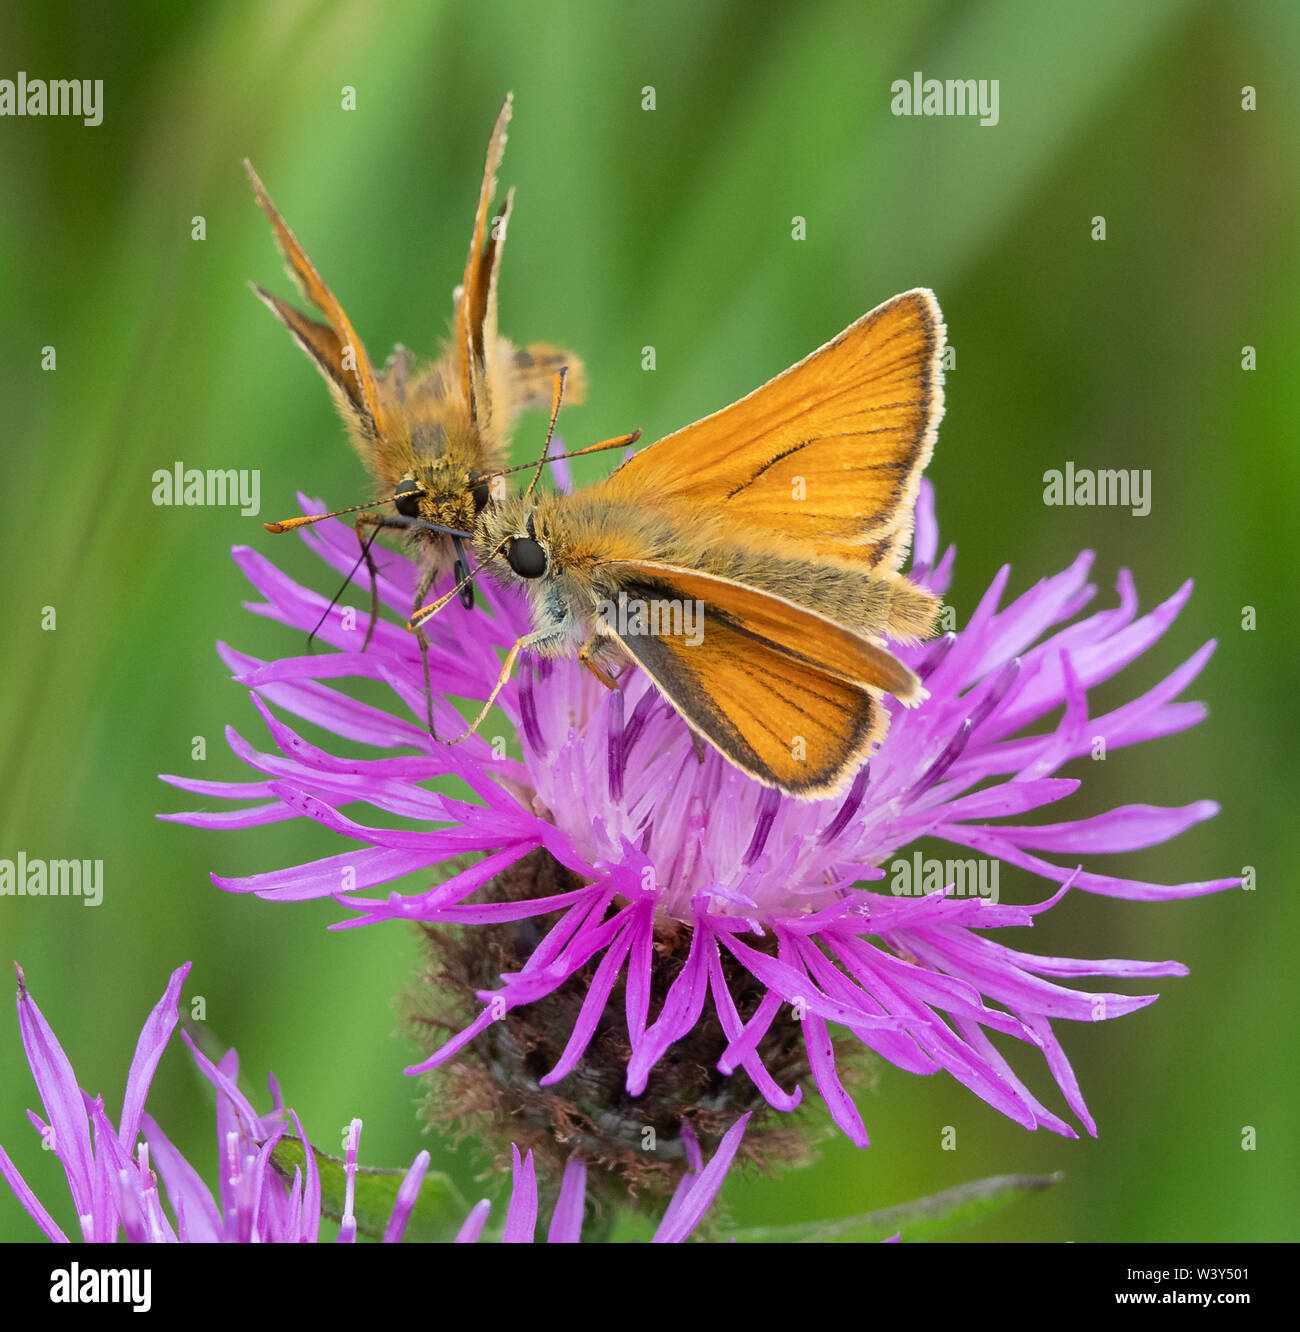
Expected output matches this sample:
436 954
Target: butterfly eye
526 557
479 491
407 498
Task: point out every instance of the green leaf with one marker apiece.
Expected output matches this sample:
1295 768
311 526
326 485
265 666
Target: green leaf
922 1219
438 1213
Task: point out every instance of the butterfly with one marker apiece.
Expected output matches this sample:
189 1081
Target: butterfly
432 437
749 564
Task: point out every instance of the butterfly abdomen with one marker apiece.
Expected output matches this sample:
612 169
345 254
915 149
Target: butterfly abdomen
866 601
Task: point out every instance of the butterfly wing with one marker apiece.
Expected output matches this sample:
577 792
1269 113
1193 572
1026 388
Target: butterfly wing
532 370
333 345
476 315
787 695
497 380
827 456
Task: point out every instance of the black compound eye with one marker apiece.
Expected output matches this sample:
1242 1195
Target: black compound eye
526 557
480 492
408 498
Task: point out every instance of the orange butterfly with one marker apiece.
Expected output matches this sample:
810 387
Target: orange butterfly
749 563
432 438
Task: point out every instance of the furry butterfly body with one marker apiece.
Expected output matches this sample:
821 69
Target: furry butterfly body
784 520
430 436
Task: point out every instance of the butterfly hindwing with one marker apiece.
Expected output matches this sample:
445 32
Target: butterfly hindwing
784 693
799 631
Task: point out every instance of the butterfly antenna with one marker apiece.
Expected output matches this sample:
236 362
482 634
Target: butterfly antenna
347 582
306 519
557 397
618 442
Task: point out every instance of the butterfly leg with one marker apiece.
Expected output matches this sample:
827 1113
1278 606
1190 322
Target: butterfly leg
375 521
601 674
527 641
366 519
426 582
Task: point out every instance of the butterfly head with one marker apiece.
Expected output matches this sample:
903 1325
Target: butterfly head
442 493
513 537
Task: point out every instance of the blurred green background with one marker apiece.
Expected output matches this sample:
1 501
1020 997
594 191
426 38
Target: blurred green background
669 228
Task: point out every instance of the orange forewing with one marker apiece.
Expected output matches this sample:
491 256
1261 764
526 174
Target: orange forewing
828 455
332 345
476 313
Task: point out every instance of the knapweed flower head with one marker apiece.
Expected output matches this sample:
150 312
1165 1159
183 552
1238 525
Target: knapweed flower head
114 1177
639 929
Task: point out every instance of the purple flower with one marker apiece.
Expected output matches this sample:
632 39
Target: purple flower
114 1181
675 856
692 1199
